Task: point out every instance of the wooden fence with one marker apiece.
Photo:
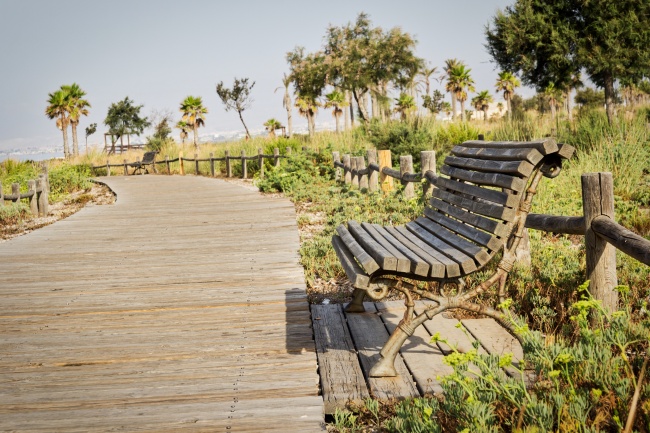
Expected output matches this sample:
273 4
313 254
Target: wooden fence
602 234
228 159
37 194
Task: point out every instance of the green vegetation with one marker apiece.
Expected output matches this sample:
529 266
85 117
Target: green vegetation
67 105
123 118
237 98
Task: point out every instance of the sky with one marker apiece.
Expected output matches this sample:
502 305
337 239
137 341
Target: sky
157 53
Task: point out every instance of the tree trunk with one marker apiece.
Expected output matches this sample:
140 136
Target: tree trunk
337 117
287 104
75 143
351 102
609 98
196 143
359 98
453 106
310 123
346 114
375 105
507 98
248 135
485 115
66 149
462 110
553 105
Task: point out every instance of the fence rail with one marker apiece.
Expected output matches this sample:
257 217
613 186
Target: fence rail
181 159
37 193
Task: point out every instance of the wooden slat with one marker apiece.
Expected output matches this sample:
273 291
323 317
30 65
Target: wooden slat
418 265
403 262
467 247
368 263
466 262
545 146
342 380
421 249
480 237
450 267
370 335
483 208
353 271
520 168
498 197
383 257
424 360
489 179
529 154
566 150
493 226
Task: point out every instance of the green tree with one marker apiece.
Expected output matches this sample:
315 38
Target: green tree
78 107
336 101
123 118
507 83
59 108
237 98
481 102
404 105
589 98
446 107
460 82
286 102
449 87
308 74
271 126
90 130
184 128
434 103
553 95
194 115
548 42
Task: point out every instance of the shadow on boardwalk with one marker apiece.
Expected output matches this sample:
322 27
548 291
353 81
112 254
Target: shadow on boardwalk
180 307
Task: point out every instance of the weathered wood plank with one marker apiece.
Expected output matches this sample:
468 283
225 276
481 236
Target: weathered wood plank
544 146
499 228
467 247
493 195
483 208
368 263
383 257
520 168
418 265
342 380
489 179
437 269
441 265
529 154
403 262
480 237
455 256
353 271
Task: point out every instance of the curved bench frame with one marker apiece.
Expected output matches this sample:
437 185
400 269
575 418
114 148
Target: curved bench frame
379 282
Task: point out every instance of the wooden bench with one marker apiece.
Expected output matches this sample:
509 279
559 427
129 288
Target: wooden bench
149 158
477 209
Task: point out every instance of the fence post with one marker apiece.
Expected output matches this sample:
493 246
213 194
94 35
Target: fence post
276 157
15 191
108 168
336 157
244 169
288 151
2 196
43 200
180 160
406 166
385 160
260 159
169 171
355 177
228 166
126 170
347 176
428 163
153 164
196 163
373 176
597 200
363 179
31 185
211 164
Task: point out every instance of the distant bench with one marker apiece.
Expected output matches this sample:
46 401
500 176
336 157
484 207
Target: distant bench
477 210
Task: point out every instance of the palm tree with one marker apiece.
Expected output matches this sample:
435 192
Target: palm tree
336 101
286 102
426 74
553 95
507 83
449 65
481 102
272 125
193 114
59 108
78 107
460 82
446 107
500 107
308 108
404 105
184 127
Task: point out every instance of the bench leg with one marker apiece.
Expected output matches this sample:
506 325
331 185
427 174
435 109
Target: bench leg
356 306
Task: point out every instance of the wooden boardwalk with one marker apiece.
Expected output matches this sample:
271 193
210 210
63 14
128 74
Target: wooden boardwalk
181 307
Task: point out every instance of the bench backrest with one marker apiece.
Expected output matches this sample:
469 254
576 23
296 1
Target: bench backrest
476 205
149 157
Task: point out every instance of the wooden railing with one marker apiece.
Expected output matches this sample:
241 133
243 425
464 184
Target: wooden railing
181 160
37 194
379 171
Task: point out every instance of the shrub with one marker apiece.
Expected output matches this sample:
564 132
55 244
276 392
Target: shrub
14 213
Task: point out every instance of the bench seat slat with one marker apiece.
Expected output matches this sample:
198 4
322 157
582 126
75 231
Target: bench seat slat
480 237
499 197
353 271
519 168
545 146
529 154
487 224
480 178
418 265
461 244
483 208
384 258
466 262
422 250
368 263
403 263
